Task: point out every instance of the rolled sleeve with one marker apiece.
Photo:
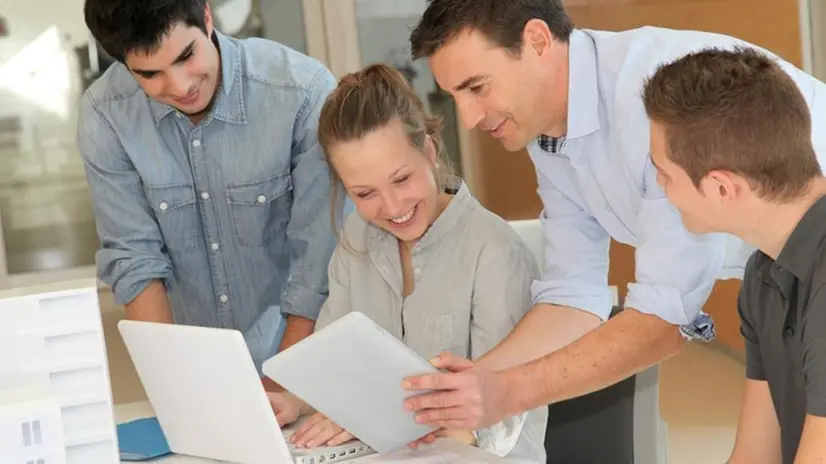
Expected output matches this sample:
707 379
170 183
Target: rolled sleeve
337 304
309 232
131 253
576 255
501 298
675 269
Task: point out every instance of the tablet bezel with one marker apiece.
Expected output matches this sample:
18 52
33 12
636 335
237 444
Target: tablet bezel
352 372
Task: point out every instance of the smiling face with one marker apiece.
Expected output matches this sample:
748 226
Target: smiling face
392 185
183 71
514 98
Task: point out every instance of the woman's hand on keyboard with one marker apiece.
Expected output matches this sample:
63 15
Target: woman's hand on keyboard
317 431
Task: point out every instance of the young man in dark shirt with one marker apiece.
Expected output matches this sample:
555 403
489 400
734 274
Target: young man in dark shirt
731 138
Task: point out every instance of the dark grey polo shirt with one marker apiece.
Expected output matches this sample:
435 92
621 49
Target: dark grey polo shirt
782 307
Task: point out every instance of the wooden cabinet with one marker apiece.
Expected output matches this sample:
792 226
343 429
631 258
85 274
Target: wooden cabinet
506 183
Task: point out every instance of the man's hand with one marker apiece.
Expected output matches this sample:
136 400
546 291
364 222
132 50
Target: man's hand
318 430
287 407
467 398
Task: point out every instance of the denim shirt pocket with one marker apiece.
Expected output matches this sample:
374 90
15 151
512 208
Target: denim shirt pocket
260 210
177 216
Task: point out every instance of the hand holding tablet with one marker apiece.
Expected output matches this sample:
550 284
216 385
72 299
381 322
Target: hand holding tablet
353 372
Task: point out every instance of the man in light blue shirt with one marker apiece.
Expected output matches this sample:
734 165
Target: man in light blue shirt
522 72
210 189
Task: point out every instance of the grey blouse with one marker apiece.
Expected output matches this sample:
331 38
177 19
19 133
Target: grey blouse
472 277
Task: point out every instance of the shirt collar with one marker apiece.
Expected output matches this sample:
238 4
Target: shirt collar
461 203
798 254
583 86
228 105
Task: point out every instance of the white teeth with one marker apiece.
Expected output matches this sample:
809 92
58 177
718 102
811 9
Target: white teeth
405 218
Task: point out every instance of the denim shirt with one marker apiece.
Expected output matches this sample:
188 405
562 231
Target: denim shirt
232 214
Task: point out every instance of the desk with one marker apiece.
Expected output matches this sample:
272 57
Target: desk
130 411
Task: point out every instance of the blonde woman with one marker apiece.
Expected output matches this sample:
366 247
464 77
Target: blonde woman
420 256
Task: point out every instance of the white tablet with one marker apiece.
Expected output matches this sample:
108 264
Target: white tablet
352 372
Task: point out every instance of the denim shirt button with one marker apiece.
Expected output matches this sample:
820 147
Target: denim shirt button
163 206
223 298
262 199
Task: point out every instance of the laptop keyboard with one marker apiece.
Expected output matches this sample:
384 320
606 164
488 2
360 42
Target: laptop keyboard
323 455
329 454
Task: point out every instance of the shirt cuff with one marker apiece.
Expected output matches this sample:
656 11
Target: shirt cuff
129 282
667 304
299 301
501 438
661 301
594 299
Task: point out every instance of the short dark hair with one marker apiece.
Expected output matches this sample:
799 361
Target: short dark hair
124 26
501 21
735 110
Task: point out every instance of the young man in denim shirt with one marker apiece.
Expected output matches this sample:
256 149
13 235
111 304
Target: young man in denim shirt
210 190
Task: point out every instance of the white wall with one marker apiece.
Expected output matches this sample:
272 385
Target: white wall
26 22
48 35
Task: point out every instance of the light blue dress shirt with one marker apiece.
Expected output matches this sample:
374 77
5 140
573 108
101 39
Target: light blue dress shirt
600 183
232 213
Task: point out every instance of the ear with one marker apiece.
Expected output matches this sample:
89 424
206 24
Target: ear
724 185
208 20
537 37
430 150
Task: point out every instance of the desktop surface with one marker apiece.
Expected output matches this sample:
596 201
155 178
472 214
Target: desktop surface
467 454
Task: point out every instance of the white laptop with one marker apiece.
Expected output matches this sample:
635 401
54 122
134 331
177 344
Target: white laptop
209 400
365 366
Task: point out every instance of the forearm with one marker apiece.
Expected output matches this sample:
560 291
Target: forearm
298 328
762 446
812 447
150 305
543 330
741 455
758 430
624 345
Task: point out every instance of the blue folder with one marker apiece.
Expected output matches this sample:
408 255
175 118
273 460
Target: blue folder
142 440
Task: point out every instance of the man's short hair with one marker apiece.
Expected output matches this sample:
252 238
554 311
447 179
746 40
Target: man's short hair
501 21
125 26
735 110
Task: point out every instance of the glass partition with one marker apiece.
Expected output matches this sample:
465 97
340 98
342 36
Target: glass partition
384 37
